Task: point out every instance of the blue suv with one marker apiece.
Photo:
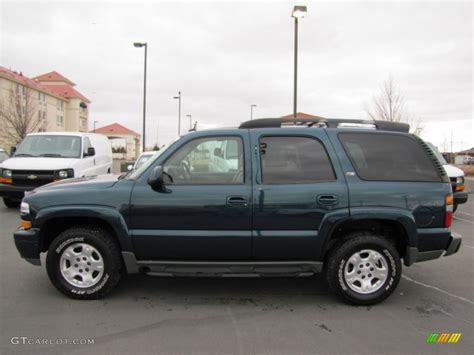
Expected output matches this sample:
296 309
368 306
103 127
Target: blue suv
274 197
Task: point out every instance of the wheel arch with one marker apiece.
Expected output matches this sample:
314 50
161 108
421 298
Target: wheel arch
53 221
398 226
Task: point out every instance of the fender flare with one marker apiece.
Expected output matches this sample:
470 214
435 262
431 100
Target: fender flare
403 217
108 215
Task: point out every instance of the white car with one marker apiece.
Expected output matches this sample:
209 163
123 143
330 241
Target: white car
142 159
456 176
42 158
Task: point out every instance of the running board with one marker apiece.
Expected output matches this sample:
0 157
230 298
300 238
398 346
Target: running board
221 268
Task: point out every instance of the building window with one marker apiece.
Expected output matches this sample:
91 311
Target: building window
60 120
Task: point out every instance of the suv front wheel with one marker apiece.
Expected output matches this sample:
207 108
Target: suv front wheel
364 270
84 263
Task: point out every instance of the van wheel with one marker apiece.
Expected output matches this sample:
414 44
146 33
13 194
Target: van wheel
84 263
364 270
11 203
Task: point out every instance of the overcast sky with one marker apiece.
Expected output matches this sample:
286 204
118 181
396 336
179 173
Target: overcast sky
226 56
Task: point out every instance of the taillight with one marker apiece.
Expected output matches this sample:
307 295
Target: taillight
448 218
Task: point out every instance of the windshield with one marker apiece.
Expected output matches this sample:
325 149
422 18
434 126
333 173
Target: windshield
137 172
3 156
437 154
54 146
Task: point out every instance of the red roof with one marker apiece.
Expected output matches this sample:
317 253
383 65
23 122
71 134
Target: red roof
66 91
301 115
19 77
115 128
53 76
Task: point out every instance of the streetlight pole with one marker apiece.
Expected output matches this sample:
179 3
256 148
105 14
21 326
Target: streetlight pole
94 125
179 112
190 121
298 12
251 110
139 45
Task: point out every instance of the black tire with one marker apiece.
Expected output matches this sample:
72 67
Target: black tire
455 207
11 203
339 258
109 252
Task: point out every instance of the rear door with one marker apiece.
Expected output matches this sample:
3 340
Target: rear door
298 183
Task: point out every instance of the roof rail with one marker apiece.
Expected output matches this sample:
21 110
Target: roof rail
326 123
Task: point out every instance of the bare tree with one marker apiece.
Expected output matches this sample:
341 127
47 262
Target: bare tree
19 113
389 105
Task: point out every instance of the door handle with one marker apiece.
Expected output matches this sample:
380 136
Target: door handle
237 201
327 200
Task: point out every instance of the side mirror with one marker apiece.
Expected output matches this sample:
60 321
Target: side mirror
90 152
12 150
155 180
129 167
218 152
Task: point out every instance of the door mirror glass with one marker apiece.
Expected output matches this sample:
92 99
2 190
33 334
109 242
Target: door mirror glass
90 152
155 180
12 150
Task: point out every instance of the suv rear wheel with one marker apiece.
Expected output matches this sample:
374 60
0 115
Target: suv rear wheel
84 263
365 269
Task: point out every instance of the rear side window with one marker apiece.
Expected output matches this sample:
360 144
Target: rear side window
294 160
388 157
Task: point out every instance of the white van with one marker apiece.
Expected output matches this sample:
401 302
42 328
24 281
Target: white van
42 158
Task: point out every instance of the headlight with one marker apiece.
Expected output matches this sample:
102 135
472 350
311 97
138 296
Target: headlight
65 174
7 173
24 208
460 180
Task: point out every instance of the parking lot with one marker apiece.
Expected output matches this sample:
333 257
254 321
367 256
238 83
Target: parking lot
243 316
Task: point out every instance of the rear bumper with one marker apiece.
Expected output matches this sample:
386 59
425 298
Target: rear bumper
28 245
14 191
460 197
414 255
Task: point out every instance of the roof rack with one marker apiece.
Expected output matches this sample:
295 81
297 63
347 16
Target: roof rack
326 123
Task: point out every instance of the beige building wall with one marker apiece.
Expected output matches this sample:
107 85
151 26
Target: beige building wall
56 113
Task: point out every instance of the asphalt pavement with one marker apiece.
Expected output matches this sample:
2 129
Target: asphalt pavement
237 316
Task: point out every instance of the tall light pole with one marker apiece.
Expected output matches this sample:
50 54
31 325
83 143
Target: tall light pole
179 112
298 12
190 121
139 45
94 125
251 110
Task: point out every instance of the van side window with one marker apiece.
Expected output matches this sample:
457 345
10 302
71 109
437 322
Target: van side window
294 160
86 145
213 160
388 157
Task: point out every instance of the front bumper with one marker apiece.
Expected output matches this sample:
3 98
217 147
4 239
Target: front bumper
28 244
413 255
460 197
14 191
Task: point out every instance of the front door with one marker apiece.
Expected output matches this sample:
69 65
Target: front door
204 210
297 185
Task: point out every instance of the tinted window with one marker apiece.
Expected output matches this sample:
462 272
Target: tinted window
388 157
292 160
204 161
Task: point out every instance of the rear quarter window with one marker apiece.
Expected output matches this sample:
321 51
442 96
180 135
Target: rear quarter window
388 157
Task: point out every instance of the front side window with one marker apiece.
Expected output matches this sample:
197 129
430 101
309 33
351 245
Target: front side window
86 145
388 157
294 160
216 160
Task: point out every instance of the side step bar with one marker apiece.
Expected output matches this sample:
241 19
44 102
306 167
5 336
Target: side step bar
221 268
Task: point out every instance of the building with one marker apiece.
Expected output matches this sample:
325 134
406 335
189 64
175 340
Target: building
51 98
302 115
124 137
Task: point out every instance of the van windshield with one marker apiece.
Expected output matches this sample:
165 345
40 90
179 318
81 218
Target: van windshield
51 146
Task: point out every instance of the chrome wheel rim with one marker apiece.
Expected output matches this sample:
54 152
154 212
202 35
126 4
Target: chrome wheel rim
81 265
366 271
